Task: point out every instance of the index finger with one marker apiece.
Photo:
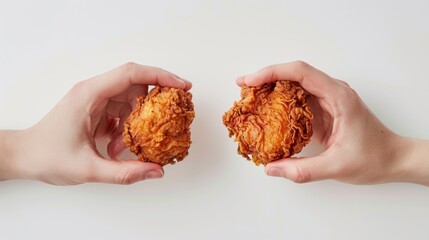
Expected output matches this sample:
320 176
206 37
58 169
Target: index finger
123 77
311 79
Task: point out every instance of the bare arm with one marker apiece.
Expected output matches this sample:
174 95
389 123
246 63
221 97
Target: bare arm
415 162
8 141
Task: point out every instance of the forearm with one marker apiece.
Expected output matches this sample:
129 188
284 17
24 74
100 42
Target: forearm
8 154
414 162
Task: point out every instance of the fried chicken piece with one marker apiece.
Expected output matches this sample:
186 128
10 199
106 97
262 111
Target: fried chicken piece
270 122
158 130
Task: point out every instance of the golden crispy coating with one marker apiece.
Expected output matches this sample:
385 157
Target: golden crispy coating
158 130
270 122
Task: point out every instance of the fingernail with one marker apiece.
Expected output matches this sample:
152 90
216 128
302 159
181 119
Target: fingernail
188 83
181 81
246 79
275 172
243 77
154 174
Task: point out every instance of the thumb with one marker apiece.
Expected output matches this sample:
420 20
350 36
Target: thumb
301 170
124 171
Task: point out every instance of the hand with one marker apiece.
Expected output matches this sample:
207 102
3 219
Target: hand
359 149
61 148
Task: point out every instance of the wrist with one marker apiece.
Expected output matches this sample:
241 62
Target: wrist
9 152
412 161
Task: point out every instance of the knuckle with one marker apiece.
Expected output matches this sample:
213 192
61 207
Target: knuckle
270 71
78 87
301 64
81 91
125 177
353 94
128 67
343 82
128 70
271 67
344 171
301 176
158 69
267 69
303 68
89 173
89 176
162 74
346 92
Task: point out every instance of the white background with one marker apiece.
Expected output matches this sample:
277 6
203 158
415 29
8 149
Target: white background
379 47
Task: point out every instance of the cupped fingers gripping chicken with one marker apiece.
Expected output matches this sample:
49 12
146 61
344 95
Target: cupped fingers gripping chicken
270 122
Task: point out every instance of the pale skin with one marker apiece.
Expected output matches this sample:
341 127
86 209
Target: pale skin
359 149
61 149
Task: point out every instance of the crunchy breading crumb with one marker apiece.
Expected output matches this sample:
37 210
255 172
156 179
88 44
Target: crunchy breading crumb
270 122
158 130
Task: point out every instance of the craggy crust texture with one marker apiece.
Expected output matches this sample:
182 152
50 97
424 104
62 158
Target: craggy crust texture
270 122
158 130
